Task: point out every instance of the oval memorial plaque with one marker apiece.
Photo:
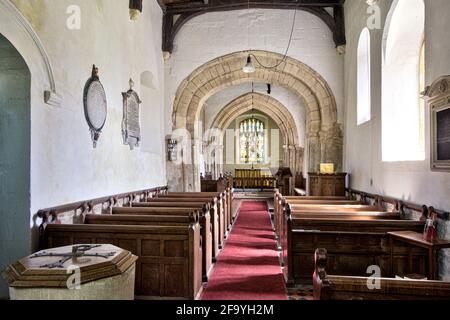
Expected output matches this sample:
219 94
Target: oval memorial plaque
95 105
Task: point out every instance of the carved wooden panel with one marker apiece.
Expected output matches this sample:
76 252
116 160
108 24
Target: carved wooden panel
169 264
327 185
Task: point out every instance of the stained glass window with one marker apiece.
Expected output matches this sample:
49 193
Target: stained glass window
251 141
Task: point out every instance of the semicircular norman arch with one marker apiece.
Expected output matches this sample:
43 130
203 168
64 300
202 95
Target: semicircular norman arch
293 152
324 135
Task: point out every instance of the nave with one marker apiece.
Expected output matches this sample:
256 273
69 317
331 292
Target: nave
248 267
140 139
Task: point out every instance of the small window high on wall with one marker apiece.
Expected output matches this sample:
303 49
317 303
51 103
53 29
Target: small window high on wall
403 78
364 96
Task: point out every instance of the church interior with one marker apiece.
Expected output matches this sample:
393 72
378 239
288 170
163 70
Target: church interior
224 150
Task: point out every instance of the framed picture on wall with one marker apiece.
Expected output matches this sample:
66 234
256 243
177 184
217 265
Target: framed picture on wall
439 102
441 137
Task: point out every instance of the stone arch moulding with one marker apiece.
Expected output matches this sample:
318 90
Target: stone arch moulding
20 33
324 134
293 153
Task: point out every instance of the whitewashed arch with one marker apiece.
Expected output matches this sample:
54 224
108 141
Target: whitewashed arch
293 153
20 33
324 141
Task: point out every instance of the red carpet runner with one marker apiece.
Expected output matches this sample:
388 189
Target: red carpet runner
248 267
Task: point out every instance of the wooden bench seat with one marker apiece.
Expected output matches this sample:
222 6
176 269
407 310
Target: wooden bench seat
225 198
353 245
206 204
170 257
355 212
336 287
217 211
333 208
280 203
118 219
160 219
205 227
328 209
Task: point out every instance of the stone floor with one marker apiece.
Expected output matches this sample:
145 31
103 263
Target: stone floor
301 293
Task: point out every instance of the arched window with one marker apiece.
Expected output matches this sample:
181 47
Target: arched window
252 141
364 96
403 76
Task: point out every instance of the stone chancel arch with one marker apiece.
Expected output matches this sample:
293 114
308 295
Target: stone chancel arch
293 153
324 134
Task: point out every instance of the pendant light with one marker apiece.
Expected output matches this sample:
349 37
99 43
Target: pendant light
135 9
249 67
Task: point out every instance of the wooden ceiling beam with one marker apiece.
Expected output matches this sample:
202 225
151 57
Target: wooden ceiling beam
219 5
178 13
162 5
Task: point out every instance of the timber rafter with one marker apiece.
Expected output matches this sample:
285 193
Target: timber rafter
177 13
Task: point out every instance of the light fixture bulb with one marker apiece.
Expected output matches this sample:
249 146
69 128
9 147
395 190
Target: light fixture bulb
249 68
134 14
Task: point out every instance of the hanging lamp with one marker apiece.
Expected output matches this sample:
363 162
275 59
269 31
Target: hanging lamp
249 67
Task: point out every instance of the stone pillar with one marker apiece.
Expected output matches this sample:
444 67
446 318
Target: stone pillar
299 156
194 174
332 144
219 160
314 151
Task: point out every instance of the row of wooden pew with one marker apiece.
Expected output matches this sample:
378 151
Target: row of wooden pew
354 235
176 236
208 184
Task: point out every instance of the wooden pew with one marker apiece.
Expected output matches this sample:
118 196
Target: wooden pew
163 212
226 197
335 287
210 185
205 204
215 214
332 207
356 212
353 245
224 201
170 257
280 202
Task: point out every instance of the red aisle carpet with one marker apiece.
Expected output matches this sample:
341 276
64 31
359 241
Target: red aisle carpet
248 267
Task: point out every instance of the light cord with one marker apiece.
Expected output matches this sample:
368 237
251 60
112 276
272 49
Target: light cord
287 49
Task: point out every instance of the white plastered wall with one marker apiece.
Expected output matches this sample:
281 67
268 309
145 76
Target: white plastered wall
64 165
410 181
212 35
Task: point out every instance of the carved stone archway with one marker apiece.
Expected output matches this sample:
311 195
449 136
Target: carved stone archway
293 153
324 134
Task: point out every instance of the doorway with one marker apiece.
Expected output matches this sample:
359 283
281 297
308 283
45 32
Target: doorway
15 135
